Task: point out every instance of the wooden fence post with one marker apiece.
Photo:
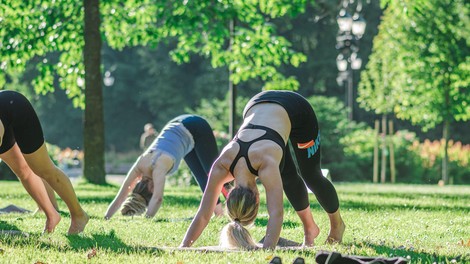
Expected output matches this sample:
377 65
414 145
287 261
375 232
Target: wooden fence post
384 149
392 153
375 177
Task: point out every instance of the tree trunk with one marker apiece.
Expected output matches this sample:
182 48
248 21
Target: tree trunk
375 176
445 159
232 89
393 177
383 172
94 170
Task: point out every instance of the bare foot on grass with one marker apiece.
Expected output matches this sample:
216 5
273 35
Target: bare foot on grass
51 222
78 224
336 233
310 235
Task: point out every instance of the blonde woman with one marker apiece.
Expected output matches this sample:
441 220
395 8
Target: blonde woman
271 118
23 149
187 137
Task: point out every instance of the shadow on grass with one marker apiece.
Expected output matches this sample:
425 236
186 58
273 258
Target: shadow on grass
6 226
101 240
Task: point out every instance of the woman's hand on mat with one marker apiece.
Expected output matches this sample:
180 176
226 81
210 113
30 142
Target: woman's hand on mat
219 210
182 245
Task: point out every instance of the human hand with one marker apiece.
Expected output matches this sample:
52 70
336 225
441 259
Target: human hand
219 210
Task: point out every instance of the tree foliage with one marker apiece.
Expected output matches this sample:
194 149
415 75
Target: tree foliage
202 27
420 61
36 28
30 29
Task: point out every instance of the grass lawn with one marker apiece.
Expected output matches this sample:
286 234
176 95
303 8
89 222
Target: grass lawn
425 224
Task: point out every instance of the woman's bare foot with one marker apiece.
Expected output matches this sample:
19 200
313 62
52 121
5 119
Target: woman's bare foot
51 222
78 224
310 235
336 233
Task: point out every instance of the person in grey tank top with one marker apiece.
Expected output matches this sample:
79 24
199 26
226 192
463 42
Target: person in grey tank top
187 137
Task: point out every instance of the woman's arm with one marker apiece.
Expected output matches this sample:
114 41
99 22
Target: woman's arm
218 176
270 177
161 168
127 186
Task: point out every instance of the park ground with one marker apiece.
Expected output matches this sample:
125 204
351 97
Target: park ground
423 223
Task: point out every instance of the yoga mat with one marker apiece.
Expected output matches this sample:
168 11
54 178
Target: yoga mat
219 249
13 209
282 244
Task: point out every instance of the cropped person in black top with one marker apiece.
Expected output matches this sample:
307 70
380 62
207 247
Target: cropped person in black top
260 150
23 149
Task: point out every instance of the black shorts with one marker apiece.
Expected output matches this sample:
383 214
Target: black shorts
21 123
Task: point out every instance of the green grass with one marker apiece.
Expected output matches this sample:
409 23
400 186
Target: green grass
423 223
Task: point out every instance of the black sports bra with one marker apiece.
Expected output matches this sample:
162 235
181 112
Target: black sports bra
270 134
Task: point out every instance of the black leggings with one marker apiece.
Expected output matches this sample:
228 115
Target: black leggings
21 123
205 150
304 163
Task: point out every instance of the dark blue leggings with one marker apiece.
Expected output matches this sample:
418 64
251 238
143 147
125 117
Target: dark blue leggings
205 150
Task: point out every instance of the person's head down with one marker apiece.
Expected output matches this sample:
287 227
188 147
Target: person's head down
242 208
137 202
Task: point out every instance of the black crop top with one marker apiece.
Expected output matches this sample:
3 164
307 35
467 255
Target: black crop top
270 134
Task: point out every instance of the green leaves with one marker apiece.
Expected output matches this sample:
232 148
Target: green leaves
34 29
419 65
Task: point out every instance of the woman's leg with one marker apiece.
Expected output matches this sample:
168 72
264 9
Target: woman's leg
205 151
323 189
306 144
325 193
51 194
33 185
197 170
43 166
297 194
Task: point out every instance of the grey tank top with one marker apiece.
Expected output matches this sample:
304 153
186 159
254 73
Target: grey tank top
176 141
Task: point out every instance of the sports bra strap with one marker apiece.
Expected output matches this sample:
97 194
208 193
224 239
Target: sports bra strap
270 134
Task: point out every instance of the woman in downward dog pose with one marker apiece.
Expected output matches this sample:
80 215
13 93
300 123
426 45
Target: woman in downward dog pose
186 136
259 149
23 149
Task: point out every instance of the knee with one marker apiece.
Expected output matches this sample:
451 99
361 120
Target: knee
23 172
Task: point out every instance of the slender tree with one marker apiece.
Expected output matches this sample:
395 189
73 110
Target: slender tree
426 47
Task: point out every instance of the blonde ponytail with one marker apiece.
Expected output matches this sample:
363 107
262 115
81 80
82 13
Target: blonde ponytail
234 235
137 202
134 205
242 208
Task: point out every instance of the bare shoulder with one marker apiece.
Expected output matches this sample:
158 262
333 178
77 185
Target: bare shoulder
227 155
